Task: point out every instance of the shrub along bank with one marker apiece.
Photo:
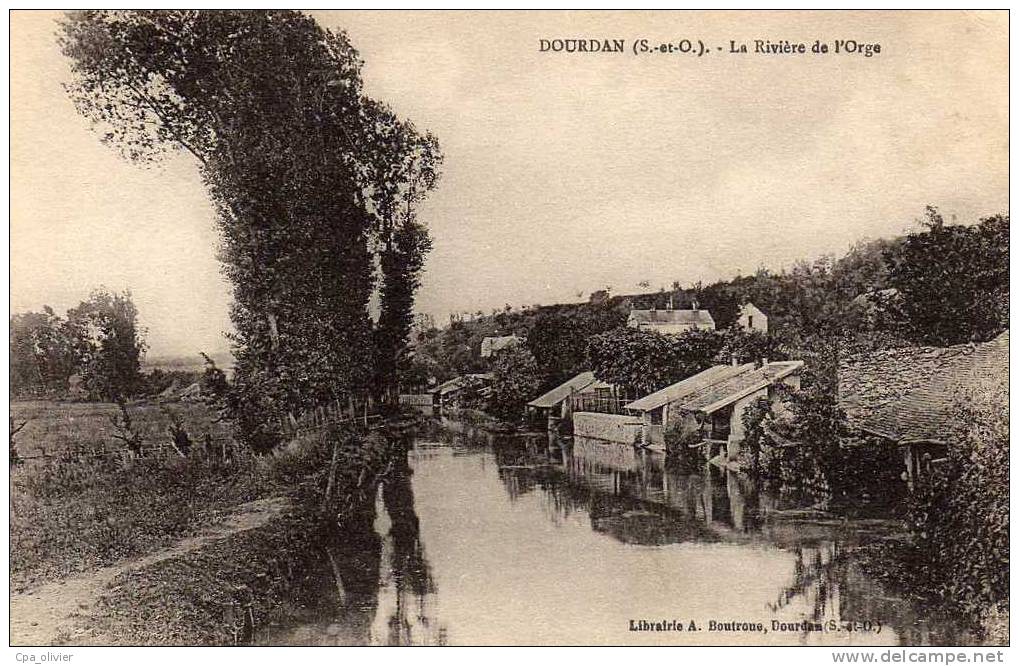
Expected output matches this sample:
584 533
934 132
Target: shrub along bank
74 515
240 589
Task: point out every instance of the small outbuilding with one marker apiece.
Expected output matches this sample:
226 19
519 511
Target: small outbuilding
712 402
493 344
449 393
909 397
557 401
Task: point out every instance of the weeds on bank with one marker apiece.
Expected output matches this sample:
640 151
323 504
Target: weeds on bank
74 514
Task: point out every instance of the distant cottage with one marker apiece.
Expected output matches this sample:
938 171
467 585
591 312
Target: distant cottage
712 402
671 322
492 344
449 393
752 319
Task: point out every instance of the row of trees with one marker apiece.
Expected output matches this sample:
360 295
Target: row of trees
316 187
99 341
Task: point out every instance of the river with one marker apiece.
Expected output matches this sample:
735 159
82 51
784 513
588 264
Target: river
485 539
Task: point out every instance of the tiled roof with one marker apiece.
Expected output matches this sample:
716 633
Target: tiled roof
692 317
564 390
717 387
458 383
688 386
723 393
911 393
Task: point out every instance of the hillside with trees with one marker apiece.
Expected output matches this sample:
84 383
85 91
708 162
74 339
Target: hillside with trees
940 284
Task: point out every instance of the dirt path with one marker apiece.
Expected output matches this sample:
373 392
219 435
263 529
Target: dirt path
39 616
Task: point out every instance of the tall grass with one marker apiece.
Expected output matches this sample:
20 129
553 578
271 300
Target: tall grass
57 427
73 515
76 513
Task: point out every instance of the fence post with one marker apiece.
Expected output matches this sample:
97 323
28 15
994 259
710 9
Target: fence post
332 472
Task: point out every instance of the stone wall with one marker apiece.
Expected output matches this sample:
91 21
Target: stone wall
609 427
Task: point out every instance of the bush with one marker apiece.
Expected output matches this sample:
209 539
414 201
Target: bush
959 516
515 380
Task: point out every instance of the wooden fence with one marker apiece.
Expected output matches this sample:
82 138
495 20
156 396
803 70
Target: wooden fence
358 410
601 405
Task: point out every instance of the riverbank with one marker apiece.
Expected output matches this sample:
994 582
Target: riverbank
900 566
143 552
47 615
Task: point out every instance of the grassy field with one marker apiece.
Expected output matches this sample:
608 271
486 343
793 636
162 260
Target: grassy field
56 427
73 511
78 512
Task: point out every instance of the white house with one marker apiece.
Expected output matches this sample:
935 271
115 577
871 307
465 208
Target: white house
671 322
752 319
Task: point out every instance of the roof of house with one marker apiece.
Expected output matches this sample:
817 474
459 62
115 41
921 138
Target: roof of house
691 317
492 344
564 390
460 382
688 386
717 387
727 391
911 393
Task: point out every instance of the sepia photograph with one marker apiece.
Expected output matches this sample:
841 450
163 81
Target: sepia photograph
509 328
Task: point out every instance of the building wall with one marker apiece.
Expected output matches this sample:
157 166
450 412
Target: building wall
671 329
753 319
737 433
609 427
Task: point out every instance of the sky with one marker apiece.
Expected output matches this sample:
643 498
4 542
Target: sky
564 173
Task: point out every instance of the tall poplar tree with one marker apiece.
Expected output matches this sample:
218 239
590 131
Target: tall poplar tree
290 150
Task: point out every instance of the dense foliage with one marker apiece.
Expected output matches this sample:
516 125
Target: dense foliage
642 361
951 281
558 339
515 380
960 516
314 183
100 341
41 349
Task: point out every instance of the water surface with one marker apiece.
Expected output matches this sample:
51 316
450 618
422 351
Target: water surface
484 539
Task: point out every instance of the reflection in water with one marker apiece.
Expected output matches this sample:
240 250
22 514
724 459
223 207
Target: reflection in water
477 538
411 617
382 590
